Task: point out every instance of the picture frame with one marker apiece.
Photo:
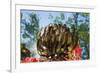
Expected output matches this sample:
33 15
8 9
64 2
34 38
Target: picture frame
17 6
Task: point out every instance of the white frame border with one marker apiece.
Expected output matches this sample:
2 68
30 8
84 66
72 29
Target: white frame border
15 67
